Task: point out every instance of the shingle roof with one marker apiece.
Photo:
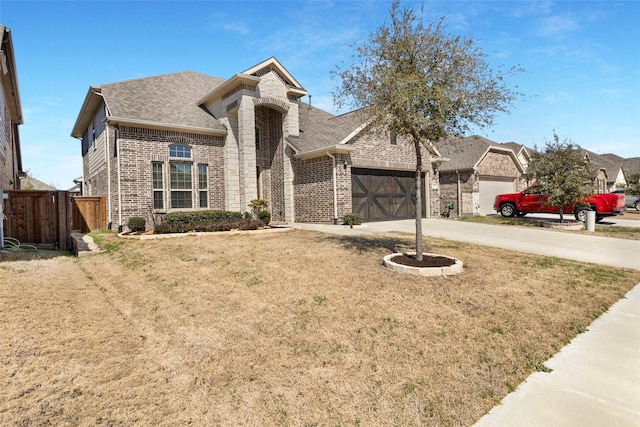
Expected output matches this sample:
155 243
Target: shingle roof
320 129
464 153
632 165
610 163
166 99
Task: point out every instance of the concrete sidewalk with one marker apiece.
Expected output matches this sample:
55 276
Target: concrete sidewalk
595 379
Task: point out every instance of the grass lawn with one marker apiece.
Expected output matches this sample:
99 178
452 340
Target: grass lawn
294 328
630 233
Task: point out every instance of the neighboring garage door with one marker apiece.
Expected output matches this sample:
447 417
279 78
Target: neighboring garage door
380 195
489 188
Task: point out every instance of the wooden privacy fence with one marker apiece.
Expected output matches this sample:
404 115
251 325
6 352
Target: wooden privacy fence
88 214
39 218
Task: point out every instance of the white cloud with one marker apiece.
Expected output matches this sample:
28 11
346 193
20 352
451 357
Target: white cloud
554 26
558 97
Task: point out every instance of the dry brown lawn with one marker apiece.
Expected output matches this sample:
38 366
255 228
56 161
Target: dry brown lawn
293 328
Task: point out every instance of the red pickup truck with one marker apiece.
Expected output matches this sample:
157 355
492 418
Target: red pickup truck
533 200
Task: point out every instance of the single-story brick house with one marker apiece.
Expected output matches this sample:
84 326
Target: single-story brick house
189 141
478 169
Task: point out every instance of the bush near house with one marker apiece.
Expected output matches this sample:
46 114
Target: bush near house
352 219
137 224
214 220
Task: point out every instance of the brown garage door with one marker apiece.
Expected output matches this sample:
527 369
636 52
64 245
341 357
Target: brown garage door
381 195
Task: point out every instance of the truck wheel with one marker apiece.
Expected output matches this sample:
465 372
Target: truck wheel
581 214
508 210
636 205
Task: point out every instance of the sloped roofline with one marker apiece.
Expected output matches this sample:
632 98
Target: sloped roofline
94 99
233 81
9 77
433 149
509 151
248 77
91 102
276 64
9 74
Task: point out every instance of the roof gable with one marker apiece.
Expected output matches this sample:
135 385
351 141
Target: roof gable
467 153
272 64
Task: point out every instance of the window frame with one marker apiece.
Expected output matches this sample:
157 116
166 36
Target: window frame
203 185
257 137
154 185
181 193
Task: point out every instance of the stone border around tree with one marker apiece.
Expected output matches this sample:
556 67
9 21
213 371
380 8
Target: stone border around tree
451 270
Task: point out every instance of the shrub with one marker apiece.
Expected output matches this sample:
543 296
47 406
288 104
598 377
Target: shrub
137 224
184 222
265 217
352 219
200 216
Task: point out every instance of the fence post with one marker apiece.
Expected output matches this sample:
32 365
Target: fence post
3 197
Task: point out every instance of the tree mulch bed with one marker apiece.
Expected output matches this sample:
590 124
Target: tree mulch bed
427 261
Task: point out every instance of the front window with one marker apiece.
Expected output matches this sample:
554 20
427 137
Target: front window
257 133
181 185
179 151
158 187
203 194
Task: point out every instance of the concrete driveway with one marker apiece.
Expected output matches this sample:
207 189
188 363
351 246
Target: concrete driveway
587 248
613 221
595 379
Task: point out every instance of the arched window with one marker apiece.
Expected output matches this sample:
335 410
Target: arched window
179 151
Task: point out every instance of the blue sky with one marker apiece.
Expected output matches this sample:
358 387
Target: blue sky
582 59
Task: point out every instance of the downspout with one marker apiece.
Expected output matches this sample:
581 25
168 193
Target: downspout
335 190
106 152
119 184
459 195
106 149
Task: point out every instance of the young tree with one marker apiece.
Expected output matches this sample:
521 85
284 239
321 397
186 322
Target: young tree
634 185
562 172
422 84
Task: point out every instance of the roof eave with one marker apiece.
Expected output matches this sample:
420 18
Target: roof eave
273 61
9 73
229 84
319 152
114 121
91 102
297 92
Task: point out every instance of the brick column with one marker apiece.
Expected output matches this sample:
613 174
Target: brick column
247 152
231 165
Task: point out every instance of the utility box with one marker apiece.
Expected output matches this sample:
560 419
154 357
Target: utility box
591 221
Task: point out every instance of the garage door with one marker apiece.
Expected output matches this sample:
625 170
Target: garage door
489 188
381 195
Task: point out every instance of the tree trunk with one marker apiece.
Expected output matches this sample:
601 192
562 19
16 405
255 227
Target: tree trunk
561 216
418 200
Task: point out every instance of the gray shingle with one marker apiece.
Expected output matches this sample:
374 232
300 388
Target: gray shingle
464 153
167 99
320 129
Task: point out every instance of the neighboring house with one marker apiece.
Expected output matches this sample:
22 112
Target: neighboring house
188 141
30 183
522 153
631 167
478 169
76 190
608 171
10 116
